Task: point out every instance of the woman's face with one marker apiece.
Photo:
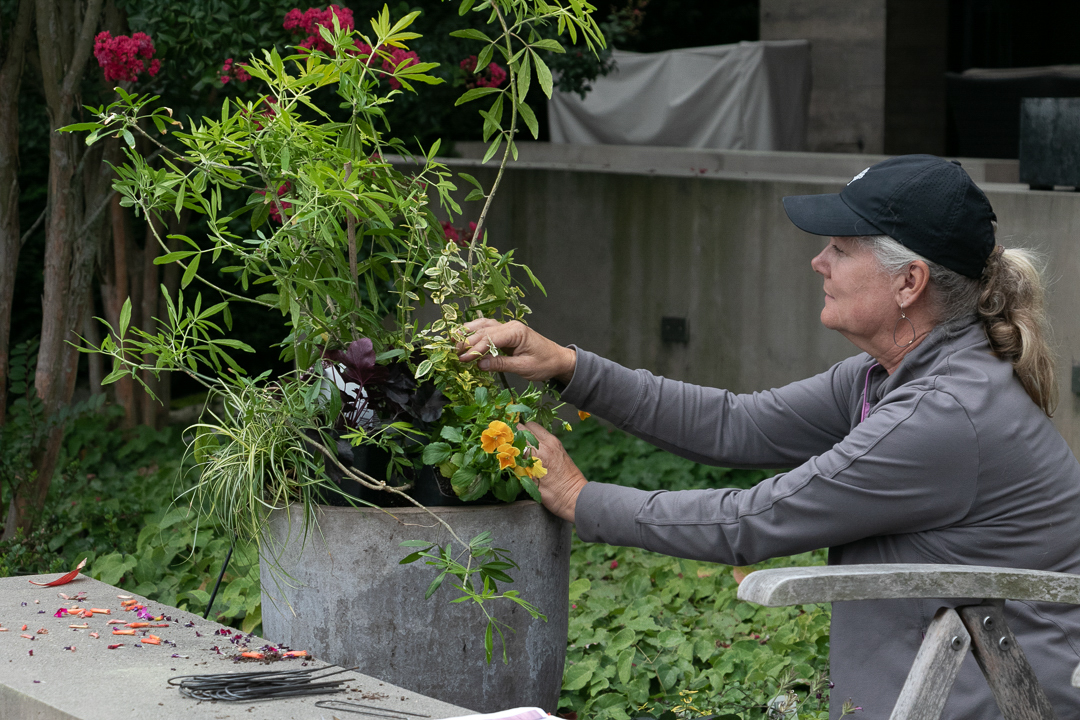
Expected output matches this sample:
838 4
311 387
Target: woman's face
860 299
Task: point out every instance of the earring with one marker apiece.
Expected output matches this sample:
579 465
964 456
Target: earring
897 325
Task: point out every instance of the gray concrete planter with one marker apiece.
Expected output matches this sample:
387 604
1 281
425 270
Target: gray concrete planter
352 603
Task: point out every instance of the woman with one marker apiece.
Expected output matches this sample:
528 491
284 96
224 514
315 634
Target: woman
931 446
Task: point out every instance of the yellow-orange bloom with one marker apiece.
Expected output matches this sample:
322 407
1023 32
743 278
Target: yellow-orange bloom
497 433
538 470
582 414
507 453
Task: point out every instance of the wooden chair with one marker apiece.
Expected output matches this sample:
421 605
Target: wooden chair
981 627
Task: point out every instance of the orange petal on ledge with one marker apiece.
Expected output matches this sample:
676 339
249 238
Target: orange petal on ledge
64 579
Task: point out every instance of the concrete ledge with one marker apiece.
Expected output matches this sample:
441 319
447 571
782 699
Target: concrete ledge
95 683
729 164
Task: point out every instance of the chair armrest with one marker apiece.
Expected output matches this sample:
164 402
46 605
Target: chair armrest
832 583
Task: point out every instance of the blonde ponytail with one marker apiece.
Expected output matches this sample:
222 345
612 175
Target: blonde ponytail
1012 307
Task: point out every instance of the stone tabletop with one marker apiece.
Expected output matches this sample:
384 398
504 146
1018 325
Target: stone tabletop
65 673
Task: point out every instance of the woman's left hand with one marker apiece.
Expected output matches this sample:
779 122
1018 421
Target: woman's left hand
560 487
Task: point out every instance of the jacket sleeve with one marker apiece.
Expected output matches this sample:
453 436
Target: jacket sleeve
911 466
774 429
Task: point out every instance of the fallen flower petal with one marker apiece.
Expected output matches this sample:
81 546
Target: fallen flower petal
117 631
87 614
113 647
137 625
160 625
100 611
60 613
70 647
28 637
253 655
23 627
94 635
42 631
63 580
3 629
124 597
79 627
115 622
295 653
152 639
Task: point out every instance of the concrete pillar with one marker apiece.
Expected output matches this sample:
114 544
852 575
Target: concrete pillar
847 59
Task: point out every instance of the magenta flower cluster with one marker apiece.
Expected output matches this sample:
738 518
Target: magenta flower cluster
399 59
312 19
460 237
282 189
309 21
233 71
493 75
123 58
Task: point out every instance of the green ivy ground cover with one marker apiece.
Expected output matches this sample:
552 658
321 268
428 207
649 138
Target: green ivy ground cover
654 636
650 633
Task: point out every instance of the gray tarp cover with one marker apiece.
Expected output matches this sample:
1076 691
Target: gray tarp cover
747 96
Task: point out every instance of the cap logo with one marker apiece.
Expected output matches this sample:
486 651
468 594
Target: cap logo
857 176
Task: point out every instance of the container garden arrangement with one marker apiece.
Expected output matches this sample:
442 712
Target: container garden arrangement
303 200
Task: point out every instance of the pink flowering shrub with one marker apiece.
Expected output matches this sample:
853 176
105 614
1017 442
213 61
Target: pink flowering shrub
233 71
399 57
274 214
309 22
491 76
123 58
459 237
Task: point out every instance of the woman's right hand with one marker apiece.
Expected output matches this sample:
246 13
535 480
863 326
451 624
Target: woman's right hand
521 351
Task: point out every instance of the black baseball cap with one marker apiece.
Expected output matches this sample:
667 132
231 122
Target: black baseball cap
928 204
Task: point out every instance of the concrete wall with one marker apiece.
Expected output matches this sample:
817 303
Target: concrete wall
619 250
847 59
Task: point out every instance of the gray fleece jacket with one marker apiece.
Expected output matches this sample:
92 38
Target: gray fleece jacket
952 464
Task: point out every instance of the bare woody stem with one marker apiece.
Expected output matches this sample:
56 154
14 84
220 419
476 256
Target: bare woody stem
479 232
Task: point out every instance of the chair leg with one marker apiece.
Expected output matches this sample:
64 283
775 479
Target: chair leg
1016 690
934 670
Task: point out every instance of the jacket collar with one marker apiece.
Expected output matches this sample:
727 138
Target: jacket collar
942 342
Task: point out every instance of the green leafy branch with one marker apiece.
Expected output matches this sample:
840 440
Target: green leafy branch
489 566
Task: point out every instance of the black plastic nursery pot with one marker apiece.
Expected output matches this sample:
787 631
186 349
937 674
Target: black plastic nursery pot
429 487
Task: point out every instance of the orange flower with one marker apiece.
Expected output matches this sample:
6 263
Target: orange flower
507 453
497 433
583 415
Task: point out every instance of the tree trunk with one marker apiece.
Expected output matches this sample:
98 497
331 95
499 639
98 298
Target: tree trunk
10 79
113 295
65 34
151 405
92 333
